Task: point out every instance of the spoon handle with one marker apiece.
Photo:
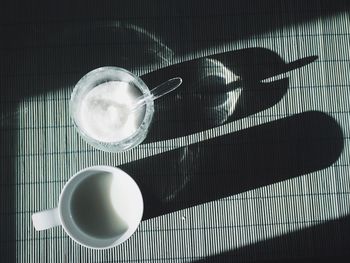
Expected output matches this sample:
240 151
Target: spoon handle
165 87
157 92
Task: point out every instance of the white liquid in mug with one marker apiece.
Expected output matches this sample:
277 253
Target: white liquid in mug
93 209
105 114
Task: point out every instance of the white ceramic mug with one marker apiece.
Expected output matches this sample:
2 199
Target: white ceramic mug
99 207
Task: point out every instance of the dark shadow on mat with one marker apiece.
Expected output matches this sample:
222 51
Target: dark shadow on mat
325 242
238 162
50 57
54 39
218 89
195 25
8 143
253 66
186 25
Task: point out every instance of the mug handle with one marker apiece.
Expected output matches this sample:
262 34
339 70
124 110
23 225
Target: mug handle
46 219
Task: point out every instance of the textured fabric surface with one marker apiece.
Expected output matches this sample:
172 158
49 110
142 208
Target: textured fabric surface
256 171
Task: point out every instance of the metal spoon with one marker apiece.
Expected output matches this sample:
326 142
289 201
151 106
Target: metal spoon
156 93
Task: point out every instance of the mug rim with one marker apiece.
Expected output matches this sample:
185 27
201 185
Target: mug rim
128 233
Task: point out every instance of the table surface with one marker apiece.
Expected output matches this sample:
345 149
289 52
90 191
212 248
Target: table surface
247 161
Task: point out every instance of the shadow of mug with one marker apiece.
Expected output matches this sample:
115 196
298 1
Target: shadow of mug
238 162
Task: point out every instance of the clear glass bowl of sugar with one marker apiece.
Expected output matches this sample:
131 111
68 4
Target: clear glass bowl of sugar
100 109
